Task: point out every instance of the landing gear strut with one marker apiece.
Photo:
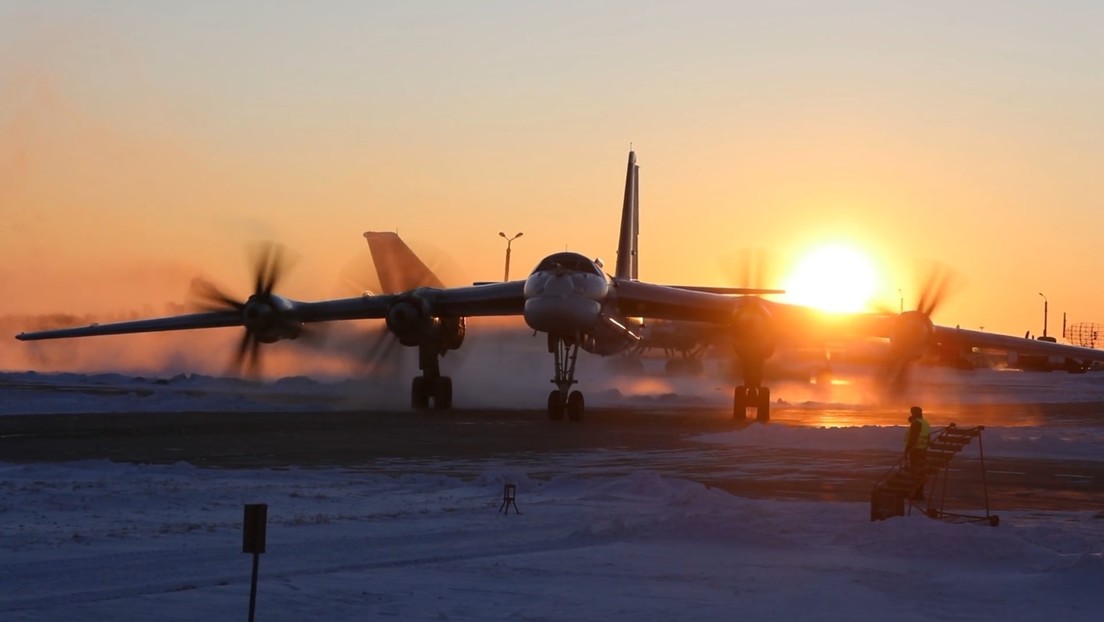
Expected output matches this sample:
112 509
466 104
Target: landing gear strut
744 398
431 384
752 395
562 399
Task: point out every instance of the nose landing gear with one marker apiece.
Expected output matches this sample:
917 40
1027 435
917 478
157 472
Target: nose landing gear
562 400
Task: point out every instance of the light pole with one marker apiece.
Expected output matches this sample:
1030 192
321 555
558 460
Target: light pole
1045 302
506 273
900 301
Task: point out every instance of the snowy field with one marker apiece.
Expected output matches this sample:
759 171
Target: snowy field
105 541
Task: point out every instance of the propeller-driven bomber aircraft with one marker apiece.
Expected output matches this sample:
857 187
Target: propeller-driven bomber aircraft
577 305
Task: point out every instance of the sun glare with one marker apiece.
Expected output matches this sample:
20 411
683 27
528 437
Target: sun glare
834 277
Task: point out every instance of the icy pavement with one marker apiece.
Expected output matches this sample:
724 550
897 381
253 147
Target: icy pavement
104 541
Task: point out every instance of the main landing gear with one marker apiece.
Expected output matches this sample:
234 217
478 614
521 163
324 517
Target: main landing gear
744 398
752 394
562 400
431 385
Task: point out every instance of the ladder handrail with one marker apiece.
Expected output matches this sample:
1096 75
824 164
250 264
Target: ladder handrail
951 430
943 445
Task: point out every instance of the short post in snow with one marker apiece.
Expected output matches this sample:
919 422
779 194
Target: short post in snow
253 541
509 496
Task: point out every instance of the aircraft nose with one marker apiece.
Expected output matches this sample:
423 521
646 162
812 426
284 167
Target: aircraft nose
562 315
557 304
558 285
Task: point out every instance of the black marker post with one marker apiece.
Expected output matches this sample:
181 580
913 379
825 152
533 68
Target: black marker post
253 541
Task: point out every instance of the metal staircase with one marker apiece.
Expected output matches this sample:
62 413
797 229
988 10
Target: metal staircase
892 494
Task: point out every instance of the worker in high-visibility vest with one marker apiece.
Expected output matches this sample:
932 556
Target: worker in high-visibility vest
916 450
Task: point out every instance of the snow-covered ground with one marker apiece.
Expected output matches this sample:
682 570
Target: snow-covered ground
98 540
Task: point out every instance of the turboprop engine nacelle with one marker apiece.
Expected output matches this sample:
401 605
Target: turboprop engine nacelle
753 329
409 320
911 335
267 318
452 331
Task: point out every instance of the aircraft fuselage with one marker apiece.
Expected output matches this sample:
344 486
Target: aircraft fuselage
568 295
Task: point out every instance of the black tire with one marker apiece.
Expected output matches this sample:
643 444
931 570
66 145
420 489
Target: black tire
442 393
576 406
419 393
762 405
555 405
739 403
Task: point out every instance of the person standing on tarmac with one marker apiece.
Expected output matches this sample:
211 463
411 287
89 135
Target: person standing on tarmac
916 450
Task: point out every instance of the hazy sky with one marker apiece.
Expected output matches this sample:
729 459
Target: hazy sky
142 143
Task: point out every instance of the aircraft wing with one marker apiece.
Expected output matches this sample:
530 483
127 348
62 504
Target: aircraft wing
793 322
214 319
638 299
489 299
362 307
800 322
478 300
1021 345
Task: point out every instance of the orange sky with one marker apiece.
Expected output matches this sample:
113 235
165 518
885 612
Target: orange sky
145 143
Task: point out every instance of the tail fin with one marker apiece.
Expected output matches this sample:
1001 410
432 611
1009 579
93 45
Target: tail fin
399 269
627 266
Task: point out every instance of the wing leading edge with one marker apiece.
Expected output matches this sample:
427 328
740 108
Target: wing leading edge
479 300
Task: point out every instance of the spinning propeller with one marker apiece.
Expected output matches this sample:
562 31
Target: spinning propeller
267 318
389 266
753 268
912 332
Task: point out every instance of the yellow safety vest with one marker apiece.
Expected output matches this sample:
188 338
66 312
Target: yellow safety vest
922 439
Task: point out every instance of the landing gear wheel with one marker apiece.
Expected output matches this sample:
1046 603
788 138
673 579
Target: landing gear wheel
442 393
739 403
575 406
555 405
419 393
762 405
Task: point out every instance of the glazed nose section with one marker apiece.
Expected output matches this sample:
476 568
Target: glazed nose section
557 285
553 304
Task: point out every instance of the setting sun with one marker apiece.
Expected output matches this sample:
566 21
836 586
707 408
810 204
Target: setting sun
833 277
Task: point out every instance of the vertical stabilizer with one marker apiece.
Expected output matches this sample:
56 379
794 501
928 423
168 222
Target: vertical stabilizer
627 266
399 269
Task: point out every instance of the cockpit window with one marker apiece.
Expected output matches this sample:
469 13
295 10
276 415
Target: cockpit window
573 262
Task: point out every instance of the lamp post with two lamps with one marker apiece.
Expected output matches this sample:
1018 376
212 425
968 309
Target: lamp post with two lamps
509 240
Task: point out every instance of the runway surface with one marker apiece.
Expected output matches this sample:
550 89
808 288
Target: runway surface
611 441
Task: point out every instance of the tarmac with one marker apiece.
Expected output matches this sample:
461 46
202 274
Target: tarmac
463 443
